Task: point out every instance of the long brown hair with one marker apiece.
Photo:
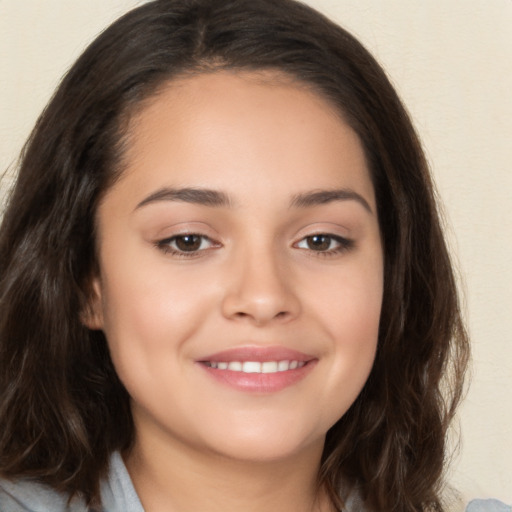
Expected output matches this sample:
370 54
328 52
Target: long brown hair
62 407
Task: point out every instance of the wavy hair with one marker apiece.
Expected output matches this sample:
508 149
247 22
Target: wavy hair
62 408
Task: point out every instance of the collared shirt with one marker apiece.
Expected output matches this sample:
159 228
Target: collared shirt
119 495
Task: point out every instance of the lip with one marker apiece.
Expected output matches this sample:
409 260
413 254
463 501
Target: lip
260 354
258 382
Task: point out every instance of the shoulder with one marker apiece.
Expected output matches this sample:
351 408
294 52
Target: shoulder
117 491
488 506
30 496
117 494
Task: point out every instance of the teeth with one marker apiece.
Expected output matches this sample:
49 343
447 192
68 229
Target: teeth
269 367
256 366
282 366
251 367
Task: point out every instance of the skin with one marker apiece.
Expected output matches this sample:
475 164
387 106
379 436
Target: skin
256 280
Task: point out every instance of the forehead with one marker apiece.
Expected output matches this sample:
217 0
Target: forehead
226 128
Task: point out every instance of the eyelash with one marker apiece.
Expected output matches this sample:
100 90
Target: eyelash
343 244
165 245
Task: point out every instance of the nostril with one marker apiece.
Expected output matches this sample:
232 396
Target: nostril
260 305
281 315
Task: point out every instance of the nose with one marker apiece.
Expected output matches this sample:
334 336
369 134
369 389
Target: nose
260 290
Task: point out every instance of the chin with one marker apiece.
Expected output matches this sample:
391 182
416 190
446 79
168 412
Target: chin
267 444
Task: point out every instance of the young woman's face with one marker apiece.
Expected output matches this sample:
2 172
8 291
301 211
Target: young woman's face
241 267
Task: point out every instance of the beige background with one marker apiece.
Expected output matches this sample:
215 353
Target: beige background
451 61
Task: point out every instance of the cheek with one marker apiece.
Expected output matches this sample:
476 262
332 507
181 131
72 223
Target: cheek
148 310
353 327
350 301
349 312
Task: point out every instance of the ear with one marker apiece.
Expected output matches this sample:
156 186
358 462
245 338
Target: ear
92 314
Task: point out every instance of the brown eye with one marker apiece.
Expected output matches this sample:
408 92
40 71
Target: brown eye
325 244
319 242
188 243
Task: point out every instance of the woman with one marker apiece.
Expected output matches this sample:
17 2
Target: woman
222 269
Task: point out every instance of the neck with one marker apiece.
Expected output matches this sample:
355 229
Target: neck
173 477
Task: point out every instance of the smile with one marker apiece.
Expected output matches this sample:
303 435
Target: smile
257 369
256 366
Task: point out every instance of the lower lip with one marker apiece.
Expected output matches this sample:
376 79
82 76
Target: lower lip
260 382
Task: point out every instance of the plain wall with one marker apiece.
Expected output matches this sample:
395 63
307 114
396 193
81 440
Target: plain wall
451 61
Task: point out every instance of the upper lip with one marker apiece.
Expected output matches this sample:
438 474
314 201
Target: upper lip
257 353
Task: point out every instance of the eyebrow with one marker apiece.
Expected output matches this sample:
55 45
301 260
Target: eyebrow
216 198
200 196
319 197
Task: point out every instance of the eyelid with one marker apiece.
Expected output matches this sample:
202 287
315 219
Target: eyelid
165 244
343 244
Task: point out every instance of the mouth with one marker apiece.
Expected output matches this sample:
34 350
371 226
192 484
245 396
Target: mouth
258 369
256 366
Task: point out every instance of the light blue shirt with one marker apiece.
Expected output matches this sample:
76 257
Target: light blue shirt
118 495
488 506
